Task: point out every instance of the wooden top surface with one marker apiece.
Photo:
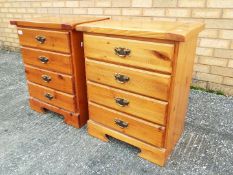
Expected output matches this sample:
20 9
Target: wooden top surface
177 31
56 22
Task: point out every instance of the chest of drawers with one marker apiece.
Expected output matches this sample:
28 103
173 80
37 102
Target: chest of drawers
138 80
54 65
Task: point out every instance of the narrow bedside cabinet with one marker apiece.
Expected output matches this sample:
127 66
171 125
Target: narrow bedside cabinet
138 80
54 65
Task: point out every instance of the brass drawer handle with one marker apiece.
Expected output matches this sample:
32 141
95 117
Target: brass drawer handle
121 123
48 96
122 52
121 102
40 39
121 78
43 59
46 78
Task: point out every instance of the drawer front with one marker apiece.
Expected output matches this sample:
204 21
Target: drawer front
47 60
53 80
137 105
50 40
141 54
145 131
143 82
52 97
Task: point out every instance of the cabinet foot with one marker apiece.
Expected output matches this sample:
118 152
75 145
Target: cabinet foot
148 152
153 156
70 118
93 131
34 106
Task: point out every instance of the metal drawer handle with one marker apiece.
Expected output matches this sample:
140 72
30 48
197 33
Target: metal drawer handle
122 52
46 78
121 78
121 123
48 96
121 102
40 39
43 59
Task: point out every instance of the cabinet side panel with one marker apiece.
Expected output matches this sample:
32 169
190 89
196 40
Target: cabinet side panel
179 93
78 63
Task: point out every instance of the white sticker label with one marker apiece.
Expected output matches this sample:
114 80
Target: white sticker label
20 32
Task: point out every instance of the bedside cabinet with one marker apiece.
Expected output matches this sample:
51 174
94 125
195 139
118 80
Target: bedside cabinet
54 65
138 80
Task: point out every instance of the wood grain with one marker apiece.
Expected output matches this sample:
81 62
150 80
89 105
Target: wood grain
78 65
70 118
139 106
55 40
183 68
60 99
138 80
56 22
58 81
56 61
149 152
142 82
166 30
146 55
145 131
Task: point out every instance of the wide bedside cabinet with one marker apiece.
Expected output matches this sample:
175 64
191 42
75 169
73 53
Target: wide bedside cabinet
138 80
54 65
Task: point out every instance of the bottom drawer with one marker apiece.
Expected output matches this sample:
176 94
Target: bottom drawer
140 129
51 96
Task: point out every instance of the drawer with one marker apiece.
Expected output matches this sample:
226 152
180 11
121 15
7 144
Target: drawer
142 130
44 39
50 79
47 60
53 97
137 105
142 82
141 54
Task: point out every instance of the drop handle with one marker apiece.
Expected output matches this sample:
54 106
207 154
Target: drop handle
122 52
121 102
43 59
48 96
121 123
120 78
40 39
46 78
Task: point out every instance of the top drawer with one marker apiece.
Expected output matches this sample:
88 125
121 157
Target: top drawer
141 54
49 40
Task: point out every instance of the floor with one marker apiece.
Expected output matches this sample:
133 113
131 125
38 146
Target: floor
33 143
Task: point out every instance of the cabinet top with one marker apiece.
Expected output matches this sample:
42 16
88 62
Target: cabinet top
56 22
167 30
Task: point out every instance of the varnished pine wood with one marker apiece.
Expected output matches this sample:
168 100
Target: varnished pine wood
60 99
55 40
175 31
139 106
149 152
56 61
58 81
65 65
69 117
56 22
147 55
172 89
183 68
147 83
145 131
79 75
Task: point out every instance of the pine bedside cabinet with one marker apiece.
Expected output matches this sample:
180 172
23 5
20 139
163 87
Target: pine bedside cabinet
138 80
54 65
